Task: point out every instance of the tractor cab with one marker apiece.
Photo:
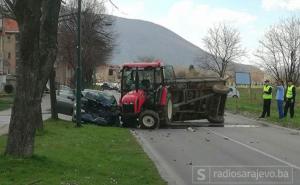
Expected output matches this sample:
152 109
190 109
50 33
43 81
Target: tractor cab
142 86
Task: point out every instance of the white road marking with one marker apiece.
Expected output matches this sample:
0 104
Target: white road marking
241 126
254 149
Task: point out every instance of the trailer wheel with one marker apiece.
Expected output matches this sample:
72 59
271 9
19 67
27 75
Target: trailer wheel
149 119
217 121
220 89
168 112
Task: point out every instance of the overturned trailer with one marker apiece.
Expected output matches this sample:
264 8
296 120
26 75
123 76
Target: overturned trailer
151 96
199 98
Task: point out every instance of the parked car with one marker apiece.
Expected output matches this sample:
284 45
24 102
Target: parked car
65 98
98 107
110 86
233 92
105 86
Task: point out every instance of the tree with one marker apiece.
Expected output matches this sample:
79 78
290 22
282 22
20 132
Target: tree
97 42
223 44
53 100
279 50
38 23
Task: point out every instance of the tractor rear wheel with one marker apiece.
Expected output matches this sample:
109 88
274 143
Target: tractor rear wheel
149 119
167 112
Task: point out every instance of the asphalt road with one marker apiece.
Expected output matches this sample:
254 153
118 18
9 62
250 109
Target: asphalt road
242 146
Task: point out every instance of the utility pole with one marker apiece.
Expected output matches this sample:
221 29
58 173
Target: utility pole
78 70
2 45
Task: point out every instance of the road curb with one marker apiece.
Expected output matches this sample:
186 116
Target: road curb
165 172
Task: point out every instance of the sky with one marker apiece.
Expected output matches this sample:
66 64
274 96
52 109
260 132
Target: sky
192 18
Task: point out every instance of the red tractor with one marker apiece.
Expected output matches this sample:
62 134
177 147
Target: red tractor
152 96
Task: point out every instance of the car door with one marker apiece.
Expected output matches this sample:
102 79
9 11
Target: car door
65 102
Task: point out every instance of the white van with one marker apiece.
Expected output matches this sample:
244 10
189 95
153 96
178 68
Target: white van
233 92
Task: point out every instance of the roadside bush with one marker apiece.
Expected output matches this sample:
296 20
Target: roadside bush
8 88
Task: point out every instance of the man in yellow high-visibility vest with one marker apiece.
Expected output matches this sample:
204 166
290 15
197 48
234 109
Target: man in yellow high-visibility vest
290 97
267 97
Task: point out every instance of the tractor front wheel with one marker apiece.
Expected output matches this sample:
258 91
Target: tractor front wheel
149 119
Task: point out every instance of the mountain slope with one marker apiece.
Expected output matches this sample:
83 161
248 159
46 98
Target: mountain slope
136 39
141 39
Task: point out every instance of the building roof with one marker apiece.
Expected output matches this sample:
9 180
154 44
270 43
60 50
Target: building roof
10 26
156 63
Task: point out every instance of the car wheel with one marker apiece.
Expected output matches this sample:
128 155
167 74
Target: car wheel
149 119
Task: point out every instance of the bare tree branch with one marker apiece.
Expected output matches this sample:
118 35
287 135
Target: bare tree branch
7 9
223 45
279 50
97 42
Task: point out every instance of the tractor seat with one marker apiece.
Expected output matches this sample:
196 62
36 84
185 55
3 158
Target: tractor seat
146 84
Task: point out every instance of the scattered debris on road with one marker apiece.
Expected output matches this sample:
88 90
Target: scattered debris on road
190 163
191 129
207 140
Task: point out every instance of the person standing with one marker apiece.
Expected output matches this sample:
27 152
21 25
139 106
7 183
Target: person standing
280 98
267 97
290 98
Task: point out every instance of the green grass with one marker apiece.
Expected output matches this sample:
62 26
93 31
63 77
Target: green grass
253 107
91 155
6 101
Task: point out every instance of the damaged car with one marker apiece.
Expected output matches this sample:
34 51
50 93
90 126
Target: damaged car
98 107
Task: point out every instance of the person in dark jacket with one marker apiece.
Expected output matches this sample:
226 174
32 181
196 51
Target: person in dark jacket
267 97
290 97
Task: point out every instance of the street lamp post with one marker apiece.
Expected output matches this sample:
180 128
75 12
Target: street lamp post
78 70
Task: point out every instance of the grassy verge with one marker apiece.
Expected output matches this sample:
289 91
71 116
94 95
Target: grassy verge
252 107
6 100
90 155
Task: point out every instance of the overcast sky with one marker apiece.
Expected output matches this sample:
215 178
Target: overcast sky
192 18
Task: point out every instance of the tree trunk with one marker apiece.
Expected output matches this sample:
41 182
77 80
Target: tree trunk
54 114
26 117
38 21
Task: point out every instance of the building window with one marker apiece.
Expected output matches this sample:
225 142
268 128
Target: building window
110 72
8 39
9 55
